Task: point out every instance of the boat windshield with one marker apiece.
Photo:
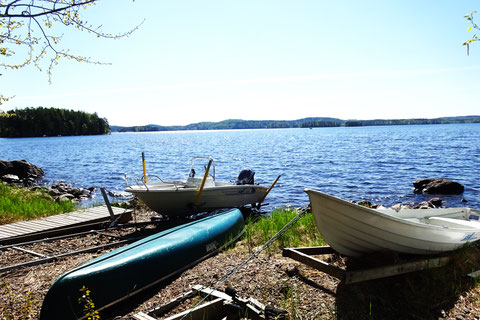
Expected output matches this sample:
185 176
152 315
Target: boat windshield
199 166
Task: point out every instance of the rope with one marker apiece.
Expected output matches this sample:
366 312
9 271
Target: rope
285 228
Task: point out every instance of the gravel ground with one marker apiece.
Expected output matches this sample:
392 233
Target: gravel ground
269 278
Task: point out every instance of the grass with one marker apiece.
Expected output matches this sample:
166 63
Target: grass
303 233
17 204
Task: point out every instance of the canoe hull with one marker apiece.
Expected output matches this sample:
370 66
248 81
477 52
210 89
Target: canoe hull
126 271
355 230
179 202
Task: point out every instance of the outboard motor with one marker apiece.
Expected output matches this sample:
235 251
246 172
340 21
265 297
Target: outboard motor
246 176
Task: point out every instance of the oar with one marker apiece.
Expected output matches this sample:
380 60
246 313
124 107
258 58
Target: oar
144 168
197 199
268 190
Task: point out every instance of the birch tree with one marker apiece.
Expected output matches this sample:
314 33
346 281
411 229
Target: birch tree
474 27
29 33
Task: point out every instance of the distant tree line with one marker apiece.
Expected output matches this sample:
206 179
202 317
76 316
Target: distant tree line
143 128
300 123
399 122
39 122
322 124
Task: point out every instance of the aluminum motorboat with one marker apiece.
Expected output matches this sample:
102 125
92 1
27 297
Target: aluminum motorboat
198 193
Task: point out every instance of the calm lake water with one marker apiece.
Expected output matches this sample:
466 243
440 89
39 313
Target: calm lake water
361 163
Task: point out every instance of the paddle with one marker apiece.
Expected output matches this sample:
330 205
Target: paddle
268 190
144 168
197 199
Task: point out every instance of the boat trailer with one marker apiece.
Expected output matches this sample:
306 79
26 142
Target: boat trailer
306 255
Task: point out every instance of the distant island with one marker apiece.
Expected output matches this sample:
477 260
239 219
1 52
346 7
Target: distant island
314 122
50 122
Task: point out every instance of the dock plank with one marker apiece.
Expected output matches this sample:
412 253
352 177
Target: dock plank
19 231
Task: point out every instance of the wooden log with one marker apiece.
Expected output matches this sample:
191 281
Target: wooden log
396 269
314 263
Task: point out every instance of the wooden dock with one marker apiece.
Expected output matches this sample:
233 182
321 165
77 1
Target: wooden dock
76 221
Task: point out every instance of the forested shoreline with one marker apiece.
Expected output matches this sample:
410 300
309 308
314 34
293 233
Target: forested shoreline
300 123
48 122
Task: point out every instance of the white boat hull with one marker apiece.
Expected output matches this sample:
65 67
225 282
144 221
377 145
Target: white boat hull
175 202
354 230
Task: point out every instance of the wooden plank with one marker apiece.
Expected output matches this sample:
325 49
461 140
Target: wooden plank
11 232
14 232
158 311
4 234
312 251
63 219
396 269
22 229
212 292
203 311
314 263
63 224
300 255
44 223
85 216
142 316
80 215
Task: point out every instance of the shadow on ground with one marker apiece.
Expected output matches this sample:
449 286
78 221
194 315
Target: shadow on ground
429 294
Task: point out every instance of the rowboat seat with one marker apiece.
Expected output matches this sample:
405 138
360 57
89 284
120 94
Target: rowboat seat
453 223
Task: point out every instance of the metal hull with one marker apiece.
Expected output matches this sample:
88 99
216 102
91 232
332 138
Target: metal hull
124 272
355 230
175 202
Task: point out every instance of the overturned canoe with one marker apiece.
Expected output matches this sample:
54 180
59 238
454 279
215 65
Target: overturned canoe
126 271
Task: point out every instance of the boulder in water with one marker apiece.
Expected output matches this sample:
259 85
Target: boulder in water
438 186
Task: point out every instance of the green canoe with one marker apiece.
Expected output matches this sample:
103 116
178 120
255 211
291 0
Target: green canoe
126 271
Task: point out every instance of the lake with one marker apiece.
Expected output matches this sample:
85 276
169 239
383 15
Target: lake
356 163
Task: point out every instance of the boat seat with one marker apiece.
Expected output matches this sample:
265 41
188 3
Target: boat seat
453 223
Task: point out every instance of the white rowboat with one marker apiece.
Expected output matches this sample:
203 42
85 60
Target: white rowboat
355 230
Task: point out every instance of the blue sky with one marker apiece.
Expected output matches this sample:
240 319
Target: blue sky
194 61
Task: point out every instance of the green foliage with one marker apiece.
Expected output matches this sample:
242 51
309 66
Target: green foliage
303 233
88 306
22 204
474 38
38 122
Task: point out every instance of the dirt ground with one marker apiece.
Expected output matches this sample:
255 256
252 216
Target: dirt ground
441 293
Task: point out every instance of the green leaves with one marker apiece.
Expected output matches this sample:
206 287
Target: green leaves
474 38
30 25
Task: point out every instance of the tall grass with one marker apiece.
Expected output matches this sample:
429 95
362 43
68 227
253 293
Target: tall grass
18 204
303 233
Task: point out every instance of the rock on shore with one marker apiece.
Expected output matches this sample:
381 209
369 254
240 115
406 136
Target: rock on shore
20 171
24 173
